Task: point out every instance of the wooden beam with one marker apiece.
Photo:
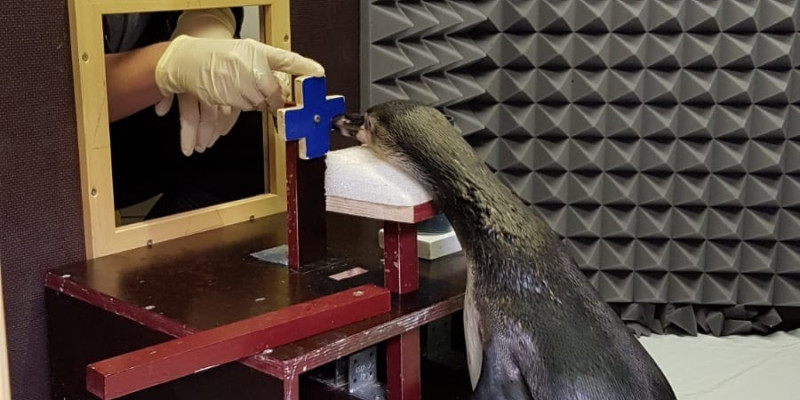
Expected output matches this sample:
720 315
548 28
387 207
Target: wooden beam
400 257
305 197
405 214
403 367
291 388
144 368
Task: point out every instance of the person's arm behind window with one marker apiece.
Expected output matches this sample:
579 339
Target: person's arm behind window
130 77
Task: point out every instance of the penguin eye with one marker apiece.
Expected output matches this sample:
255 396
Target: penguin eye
367 123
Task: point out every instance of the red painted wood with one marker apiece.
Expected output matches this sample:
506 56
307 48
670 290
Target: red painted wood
292 213
403 367
291 388
305 202
436 301
141 369
155 321
401 261
425 211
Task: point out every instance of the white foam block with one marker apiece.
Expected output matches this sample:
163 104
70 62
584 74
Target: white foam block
356 173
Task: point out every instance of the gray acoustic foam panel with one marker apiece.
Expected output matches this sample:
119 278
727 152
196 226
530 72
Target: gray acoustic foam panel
661 139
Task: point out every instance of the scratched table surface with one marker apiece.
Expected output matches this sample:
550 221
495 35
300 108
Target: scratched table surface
210 279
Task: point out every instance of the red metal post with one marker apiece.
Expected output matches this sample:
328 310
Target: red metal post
403 367
401 262
144 368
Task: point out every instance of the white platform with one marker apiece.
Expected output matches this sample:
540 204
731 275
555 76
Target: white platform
731 367
431 247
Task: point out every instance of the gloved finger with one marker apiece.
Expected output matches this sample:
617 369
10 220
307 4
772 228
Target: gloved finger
190 118
249 99
292 63
163 106
252 94
238 90
206 128
275 101
285 81
227 119
225 122
271 91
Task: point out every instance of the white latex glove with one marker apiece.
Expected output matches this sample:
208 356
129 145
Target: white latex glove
229 72
202 124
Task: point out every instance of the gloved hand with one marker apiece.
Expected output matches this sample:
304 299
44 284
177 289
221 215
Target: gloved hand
202 124
215 78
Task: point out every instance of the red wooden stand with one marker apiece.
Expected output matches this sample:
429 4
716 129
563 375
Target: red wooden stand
147 367
359 314
401 276
102 308
306 210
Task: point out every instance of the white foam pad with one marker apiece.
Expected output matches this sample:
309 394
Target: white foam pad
356 173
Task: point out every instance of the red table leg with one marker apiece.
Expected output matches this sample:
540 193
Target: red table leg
403 367
401 262
291 388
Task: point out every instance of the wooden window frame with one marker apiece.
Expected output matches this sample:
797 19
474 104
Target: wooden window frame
102 234
5 372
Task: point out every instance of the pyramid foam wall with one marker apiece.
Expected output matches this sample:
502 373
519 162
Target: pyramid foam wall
661 139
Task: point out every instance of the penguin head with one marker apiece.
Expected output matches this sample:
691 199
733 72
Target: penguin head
398 129
352 125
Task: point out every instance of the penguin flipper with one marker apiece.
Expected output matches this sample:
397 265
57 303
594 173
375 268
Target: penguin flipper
474 341
500 376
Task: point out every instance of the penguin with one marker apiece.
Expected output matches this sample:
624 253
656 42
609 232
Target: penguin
534 325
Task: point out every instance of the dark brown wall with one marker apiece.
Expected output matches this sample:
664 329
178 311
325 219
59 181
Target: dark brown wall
40 208
328 31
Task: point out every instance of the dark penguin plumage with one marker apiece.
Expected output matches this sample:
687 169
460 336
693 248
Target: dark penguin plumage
535 327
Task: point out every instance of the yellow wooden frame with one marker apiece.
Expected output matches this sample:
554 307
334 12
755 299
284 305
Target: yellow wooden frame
103 237
5 380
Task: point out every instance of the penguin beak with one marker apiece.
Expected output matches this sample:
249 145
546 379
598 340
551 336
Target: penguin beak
348 124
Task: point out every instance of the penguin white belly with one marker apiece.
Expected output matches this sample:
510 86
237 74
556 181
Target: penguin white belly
472 334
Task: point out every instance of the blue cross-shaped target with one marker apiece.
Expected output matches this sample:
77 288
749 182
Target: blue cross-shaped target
310 121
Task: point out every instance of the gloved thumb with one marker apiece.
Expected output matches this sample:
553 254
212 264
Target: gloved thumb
163 106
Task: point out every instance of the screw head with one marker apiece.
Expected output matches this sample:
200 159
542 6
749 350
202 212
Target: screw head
317 119
94 192
358 293
85 57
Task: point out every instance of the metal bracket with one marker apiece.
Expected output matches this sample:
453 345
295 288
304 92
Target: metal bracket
359 372
362 375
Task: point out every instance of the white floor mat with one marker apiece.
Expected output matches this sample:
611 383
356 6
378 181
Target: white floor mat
730 368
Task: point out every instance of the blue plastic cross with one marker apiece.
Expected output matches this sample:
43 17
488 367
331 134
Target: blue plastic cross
310 121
